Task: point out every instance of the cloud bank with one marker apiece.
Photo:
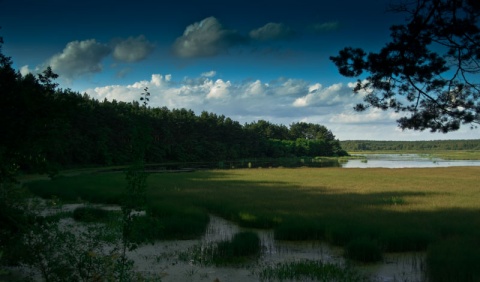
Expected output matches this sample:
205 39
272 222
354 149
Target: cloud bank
281 101
282 98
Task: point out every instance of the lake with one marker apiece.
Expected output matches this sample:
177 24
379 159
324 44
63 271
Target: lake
404 161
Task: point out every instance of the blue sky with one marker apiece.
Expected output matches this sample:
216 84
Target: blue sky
247 60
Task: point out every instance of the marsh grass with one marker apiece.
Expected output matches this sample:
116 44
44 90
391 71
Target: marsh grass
454 260
298 229
309 270
243 246
240 250
401 209
178 221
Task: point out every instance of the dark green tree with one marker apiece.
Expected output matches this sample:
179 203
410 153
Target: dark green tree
429 70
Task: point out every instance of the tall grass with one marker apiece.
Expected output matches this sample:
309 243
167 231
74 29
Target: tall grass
454 260
400 209
309 270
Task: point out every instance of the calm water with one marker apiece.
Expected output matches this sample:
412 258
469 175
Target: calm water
405 161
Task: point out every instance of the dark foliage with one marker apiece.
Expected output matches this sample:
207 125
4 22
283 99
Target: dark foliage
429 70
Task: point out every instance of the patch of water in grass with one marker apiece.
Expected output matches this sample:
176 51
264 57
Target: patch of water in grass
404 161
175 260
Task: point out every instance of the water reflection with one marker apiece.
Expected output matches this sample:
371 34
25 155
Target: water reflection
404 161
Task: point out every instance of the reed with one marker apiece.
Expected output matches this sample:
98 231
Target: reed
309 270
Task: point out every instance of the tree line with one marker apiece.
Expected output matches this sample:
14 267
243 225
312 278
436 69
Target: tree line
368 145
41 123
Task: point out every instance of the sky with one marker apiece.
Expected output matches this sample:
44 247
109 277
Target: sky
247 60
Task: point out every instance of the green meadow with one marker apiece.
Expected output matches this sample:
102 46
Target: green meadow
366 211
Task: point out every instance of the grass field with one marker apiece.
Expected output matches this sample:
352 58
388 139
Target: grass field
386 209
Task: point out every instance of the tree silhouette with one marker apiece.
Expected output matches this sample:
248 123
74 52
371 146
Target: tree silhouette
429 70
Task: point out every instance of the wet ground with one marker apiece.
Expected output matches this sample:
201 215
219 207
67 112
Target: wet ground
170 259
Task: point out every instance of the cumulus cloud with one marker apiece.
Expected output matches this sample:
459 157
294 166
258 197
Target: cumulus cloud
256 88
327 26
290 87
219 89
272 31
205 39
132 49
318 96
79 58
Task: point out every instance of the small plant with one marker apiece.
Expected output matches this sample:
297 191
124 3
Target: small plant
364 250
394 200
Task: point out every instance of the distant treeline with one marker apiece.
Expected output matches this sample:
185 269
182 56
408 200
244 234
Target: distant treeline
41 123
361 145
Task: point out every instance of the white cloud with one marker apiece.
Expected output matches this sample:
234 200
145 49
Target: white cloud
209 73
272 31
79 58
240 100
255 88
204 39
132 49
318 96
160 80
25 70
219 89
291 87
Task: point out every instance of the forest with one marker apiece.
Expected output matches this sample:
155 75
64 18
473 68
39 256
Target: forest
45 126
433 145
